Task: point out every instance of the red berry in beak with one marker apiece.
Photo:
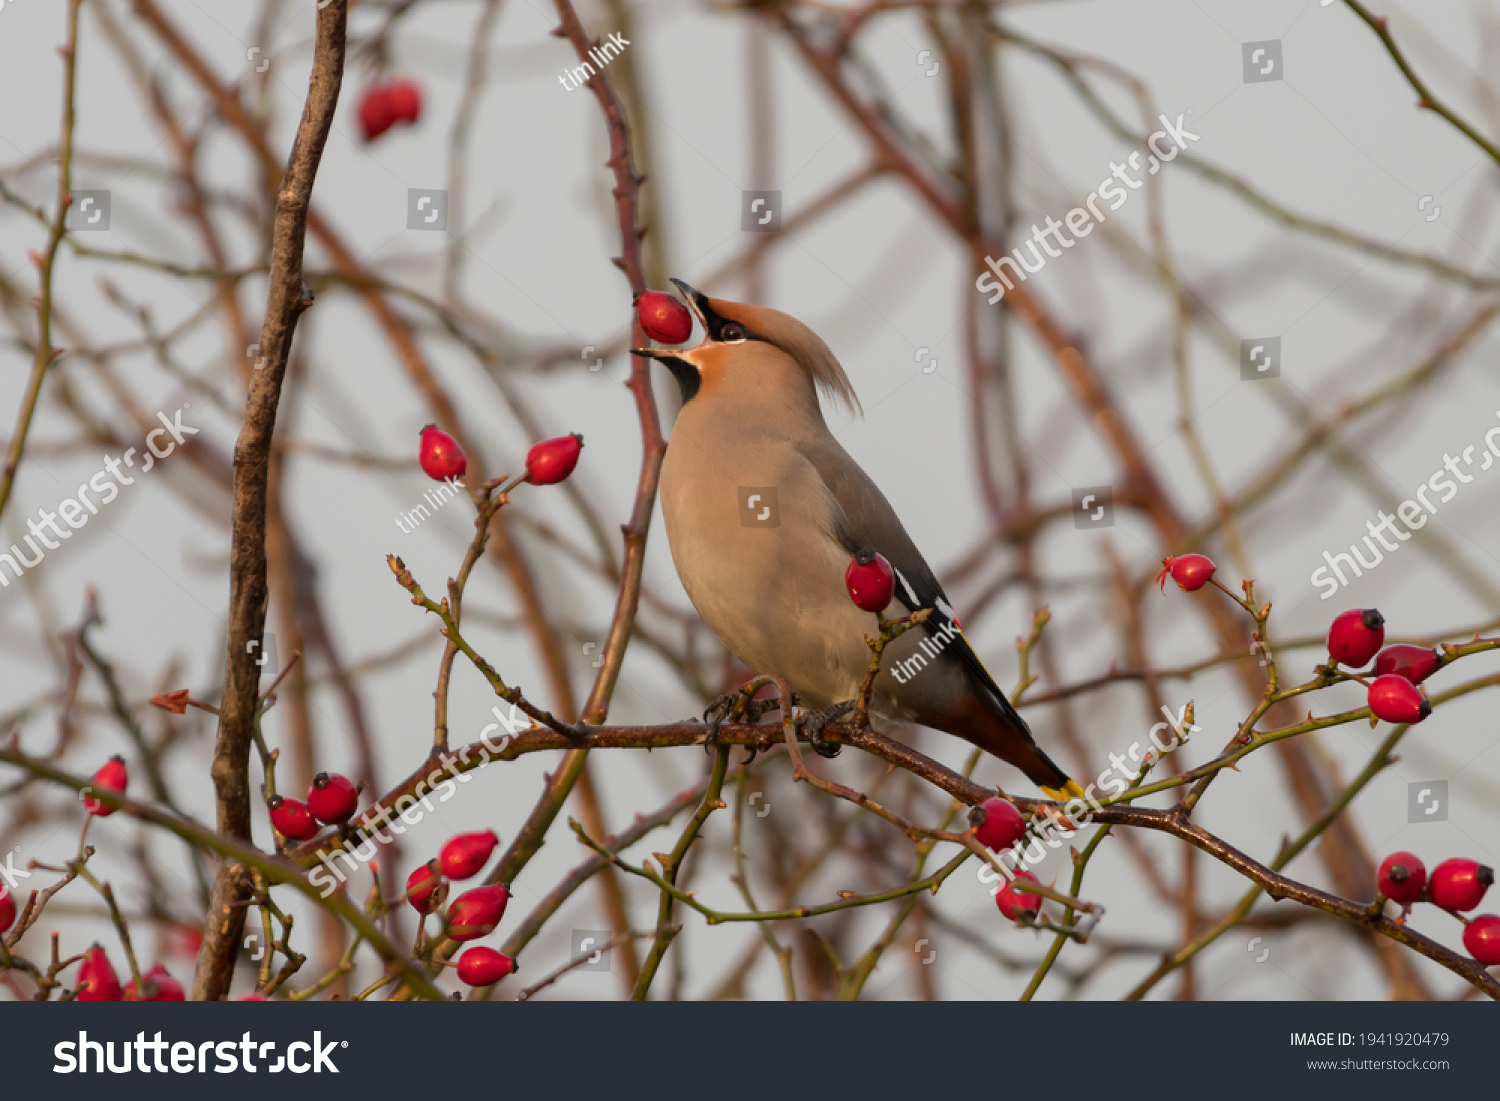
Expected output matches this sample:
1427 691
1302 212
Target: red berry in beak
663 317
110 777
405 99
1459 884
1415 663
1402 878
1482 939
377 113
426 889
1190 571
870 581
1397 700
160 987
484 966
97 981
550 461
997 824
441 456
1016 905
475 913
7 908
291 818
465 855
1354 636
332 798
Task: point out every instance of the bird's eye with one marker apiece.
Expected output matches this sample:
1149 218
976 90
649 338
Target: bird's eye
732 331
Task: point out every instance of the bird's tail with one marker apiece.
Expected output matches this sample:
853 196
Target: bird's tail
1001 732
1061 795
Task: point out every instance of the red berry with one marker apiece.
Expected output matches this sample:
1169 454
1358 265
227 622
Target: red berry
254 996
426 889
292 818
1354 636
1415 663
110 777
870 581
464 855
1459 884
997 824
7 908
160 987
1016 905
1482 939
1397 700
332 798
1190 571
97 981
405 99
663 317
550 461
377 113
475 913
441 456
483 966
1402 877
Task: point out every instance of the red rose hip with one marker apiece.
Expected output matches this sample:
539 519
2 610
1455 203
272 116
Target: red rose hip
440 455
463 856
1459 884
405 99
551 461
1354 636
484 966
1402 878
1415 663
426 889
997 824
870 581
7 908
111 776
291 818
377 113
1397 700
1017 905
1190 571
476 912
97 981
1482 939
332 798
663 317
159 987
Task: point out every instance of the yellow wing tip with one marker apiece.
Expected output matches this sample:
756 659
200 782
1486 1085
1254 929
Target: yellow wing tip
1071 791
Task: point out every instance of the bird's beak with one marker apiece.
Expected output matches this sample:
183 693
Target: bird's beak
697 302
656 353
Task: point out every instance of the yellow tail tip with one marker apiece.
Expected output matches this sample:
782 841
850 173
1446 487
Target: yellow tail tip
1071 791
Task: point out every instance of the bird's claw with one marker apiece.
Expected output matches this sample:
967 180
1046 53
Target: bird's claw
813 723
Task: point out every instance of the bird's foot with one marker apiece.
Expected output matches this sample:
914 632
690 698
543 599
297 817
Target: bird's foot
814 721
723 709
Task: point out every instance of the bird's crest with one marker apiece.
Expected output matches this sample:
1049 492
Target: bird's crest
797 341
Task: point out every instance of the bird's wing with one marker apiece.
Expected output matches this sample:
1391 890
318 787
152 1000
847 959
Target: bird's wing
864 518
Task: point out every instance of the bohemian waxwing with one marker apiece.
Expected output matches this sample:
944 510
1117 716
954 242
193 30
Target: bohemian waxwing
764 510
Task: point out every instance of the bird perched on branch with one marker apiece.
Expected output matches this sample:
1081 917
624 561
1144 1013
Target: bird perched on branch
764 510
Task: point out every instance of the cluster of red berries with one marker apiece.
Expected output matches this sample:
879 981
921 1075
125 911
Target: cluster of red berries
331 801
98 982
1457 885
384 105
547 463
1355 637
665 319
473 914
998 825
